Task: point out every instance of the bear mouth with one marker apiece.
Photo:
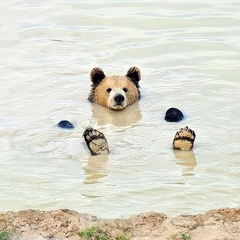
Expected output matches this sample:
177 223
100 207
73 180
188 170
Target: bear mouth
118 107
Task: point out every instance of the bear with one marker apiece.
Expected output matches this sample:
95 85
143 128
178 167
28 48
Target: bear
115 92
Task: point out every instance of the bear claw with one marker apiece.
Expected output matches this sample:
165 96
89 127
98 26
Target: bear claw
96 141
184 139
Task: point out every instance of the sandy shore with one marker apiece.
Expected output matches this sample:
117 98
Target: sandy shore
66 224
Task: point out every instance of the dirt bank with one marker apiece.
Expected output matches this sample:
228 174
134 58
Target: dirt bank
66 224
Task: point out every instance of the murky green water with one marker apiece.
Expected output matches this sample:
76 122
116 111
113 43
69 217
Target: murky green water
189 55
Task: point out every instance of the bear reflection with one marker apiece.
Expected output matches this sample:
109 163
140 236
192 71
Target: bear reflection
125 117
187 160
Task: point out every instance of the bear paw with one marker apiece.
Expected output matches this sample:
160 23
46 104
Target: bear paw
184 139
96 141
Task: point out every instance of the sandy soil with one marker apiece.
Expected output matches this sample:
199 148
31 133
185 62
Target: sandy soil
66 224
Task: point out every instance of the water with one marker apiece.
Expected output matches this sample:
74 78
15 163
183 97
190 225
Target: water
189 56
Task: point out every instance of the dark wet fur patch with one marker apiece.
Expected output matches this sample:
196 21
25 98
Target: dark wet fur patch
173 115
65 124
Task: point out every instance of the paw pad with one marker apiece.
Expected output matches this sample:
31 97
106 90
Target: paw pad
96 141
184 139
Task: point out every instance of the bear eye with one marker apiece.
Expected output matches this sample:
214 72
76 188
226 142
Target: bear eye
109 90
125 89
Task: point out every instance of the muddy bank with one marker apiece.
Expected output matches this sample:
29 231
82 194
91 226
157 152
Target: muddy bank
66 224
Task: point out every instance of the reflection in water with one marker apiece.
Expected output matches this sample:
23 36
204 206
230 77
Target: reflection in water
92 169
125 117
187 160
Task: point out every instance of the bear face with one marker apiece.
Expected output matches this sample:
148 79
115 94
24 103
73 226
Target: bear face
115 92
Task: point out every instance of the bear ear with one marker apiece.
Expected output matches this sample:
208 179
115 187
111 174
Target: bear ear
97 75
134 74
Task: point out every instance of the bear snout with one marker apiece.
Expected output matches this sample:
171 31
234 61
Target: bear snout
119 98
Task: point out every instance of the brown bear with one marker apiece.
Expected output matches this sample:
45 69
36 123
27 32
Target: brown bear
115 92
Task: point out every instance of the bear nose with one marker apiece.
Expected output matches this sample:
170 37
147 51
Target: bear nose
119 98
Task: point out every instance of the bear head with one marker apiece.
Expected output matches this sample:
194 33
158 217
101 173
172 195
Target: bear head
115 92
